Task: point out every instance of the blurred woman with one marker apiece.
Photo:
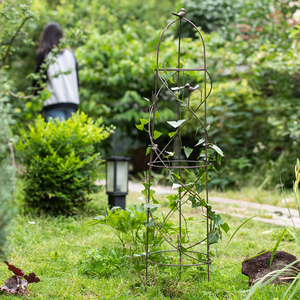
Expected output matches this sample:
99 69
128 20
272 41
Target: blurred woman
64 99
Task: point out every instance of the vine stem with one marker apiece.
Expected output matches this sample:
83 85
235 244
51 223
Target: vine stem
17 96
12 40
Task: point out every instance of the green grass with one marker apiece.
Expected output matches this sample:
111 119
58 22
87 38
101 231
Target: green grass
57 250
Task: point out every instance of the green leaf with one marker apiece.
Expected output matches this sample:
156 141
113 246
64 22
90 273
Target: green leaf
213 237
203 203
195 204
171 134
152 192
151 223
171 80
146 99
217 149
219 159
172 198
140 127
201 141
187 151
183 249
190 72
225 227
154 66
157 116
144 121
176 124
149 205
186 170
191 198
184 239
148 151
203 178
157 134
201 188
176 175
155 201
213 167
146 185
217 219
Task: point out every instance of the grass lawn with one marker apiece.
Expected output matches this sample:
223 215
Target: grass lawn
60 251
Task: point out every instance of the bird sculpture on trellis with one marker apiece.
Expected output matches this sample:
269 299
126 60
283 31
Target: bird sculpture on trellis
180 14
191 89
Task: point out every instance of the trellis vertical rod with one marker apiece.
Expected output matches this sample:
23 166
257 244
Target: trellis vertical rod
149 176
147 232
148 216
179 151
206 169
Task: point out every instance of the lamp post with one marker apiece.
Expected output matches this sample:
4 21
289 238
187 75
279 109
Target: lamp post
117 171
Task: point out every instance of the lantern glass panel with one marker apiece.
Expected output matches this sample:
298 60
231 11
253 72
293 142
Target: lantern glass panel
110 176
122 176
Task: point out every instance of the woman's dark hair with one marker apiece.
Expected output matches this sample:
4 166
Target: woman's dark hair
51 35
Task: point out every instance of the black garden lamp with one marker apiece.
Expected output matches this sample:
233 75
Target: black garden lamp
117 170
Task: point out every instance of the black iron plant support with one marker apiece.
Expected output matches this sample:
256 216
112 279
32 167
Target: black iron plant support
158 158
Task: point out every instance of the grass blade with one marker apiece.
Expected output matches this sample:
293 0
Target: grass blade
296 288
276 246
294 233
281 185
239 228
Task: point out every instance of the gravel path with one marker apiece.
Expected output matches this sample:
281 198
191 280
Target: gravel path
238 208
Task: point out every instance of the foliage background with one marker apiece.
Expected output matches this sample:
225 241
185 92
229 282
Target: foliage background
253 57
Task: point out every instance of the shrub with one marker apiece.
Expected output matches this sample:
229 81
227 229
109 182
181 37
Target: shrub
130 225
62 162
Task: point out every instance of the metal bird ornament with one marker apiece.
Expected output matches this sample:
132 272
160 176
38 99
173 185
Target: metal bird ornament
180 14
191 89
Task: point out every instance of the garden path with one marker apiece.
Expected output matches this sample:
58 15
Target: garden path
238 208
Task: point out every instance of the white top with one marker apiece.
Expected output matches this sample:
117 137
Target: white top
64 88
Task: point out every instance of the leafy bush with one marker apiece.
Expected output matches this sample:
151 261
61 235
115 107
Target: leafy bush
129 226
209 15
61 161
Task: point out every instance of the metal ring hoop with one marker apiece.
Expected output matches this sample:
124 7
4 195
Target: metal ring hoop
165 163
184 253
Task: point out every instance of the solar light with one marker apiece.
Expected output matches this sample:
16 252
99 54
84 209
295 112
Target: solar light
117 176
